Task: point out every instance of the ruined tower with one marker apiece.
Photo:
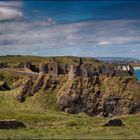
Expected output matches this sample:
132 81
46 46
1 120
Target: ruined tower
53 69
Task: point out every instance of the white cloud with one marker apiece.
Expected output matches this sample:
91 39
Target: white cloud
104 43
8 13
10 10
91 38
11 3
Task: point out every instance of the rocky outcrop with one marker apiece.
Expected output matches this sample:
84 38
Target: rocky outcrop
97 97
81 95
39 83
32 86
4 86
25 90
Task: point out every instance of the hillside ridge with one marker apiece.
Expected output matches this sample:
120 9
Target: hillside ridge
82 85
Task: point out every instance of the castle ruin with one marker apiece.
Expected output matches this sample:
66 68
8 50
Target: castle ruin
77 68
54 69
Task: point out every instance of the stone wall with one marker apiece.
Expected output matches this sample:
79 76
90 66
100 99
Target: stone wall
30 66
43 68
72 72
3 65
121 73
62 68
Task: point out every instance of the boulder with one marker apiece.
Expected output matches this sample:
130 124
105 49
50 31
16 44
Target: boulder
11 124
114 122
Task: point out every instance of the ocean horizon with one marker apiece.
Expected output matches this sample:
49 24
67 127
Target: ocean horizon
137 74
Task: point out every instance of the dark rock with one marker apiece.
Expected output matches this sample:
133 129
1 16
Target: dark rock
4 86
114 122
85 96
76 99
20 98
30 66
97 94
39 83
25 90
11 124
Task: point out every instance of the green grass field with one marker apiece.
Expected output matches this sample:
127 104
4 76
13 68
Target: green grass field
54 125
45 121
38 59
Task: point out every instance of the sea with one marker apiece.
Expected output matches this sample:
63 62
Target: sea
137 74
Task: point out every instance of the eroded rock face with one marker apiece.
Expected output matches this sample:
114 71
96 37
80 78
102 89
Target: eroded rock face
94 95
85 95
32 86
39 83
82 95
25 90
117 106
4 86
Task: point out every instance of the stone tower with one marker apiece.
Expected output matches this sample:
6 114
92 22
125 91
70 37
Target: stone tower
53 69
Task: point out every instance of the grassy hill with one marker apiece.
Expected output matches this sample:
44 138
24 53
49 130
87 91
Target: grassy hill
43 118
15 59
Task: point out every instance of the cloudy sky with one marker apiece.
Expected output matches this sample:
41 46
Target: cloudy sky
79 28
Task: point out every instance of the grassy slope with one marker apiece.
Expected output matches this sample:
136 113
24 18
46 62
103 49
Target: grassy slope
47 122
14 60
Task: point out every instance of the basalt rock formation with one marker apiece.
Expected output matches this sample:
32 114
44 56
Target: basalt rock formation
96 95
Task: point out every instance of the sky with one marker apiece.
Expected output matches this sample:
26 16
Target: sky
76 28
